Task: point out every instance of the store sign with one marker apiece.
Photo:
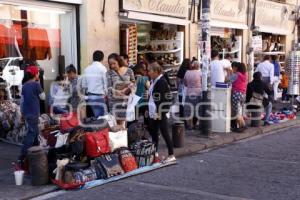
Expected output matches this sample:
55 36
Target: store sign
272 17
233 11
175 8
257 43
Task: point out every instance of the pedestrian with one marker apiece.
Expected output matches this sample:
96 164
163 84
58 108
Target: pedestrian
217 69
284 86
266 68
259 92
58 96
126 61
120 84
74 98
276 81
227 64
94 82
142 87
192 82
180 82
239 82
32 93
159 104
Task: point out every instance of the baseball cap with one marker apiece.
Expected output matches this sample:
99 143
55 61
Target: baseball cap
33 70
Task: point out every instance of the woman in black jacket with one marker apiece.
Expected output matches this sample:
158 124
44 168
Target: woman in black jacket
160 99
258 90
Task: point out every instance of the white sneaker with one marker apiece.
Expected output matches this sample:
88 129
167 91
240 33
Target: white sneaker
170 159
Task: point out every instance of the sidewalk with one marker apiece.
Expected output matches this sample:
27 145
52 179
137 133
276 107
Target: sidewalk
193 144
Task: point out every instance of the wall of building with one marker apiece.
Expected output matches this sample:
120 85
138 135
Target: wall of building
97 33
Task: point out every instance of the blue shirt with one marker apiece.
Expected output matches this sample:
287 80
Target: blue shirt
276 68
31 99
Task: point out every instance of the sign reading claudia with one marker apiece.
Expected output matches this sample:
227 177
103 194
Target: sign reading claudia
175 8
272 17
234 11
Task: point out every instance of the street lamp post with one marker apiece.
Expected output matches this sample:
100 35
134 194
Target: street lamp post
205 47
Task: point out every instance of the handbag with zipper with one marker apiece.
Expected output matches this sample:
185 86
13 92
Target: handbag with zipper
97 143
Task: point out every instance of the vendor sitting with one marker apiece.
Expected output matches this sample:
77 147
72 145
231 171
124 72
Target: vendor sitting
10 115
58 97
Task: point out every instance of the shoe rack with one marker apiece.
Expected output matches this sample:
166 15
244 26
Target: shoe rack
272 45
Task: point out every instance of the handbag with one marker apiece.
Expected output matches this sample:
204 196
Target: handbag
50 135
68 122
257 99
144 152
135 132
76 141
110 166
118 140
127 160
97 143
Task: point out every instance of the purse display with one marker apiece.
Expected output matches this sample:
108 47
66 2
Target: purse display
97 143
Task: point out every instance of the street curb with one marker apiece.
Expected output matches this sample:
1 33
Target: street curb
222 139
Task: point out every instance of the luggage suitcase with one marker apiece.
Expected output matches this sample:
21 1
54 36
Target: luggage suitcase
144 152
109 165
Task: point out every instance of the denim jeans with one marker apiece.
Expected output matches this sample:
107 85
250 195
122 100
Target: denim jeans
268 111
31 139
59 110
97 104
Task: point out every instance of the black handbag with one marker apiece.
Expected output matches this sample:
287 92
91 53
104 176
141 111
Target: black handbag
136 132
94 124
109 166
144 152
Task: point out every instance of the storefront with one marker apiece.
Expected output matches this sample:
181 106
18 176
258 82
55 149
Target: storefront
37 31
228 22
156 27
273 29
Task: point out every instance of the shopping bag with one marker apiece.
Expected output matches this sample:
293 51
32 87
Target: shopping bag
118 140
130 111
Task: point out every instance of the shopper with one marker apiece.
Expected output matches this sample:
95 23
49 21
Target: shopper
217 69
259 90
159 105
180 82
266 68
120 81
192 82
227 64
126 61
284 86
94 82
32 92
74 99
239 85
277 69
58 96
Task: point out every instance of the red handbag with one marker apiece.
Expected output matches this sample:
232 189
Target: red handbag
68 122
127 160
97 143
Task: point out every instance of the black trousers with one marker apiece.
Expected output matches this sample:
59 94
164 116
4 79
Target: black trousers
161 125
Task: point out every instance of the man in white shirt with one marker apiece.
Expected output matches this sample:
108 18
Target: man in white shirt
227 64
95 84
217 69
266 68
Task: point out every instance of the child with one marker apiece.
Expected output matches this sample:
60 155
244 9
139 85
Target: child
284 85
32 93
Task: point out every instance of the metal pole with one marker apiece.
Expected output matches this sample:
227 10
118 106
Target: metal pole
205 47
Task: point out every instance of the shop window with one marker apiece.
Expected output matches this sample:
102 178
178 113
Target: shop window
41 35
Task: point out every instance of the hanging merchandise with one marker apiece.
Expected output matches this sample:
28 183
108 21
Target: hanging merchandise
293 72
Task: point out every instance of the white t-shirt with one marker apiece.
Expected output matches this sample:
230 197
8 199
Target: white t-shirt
227 65
217 72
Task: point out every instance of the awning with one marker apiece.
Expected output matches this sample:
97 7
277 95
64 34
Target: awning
224 24
155 18
268 29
